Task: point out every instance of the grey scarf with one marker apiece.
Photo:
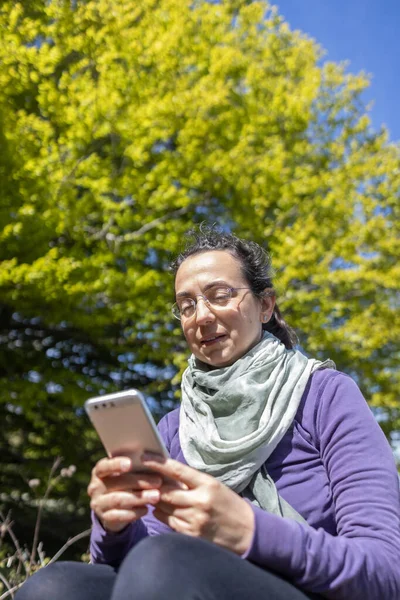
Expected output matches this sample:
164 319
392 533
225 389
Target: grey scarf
232 418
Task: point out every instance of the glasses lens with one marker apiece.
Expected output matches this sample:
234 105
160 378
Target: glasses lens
176 311
219 296
185 308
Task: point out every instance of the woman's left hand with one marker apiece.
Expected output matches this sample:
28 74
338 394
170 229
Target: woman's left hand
203 507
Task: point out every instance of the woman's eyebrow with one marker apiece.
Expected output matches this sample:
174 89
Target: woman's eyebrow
206 287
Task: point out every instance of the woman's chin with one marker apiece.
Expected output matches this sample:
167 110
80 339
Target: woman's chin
215 361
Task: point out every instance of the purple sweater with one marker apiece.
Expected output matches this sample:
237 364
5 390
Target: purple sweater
335 467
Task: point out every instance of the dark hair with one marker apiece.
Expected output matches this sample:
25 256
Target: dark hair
256 267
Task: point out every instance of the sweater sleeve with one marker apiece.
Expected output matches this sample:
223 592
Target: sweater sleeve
111 548
362 561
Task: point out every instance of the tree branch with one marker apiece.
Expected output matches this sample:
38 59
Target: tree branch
8 527
5 582
50 485
11 591
129 237
69 543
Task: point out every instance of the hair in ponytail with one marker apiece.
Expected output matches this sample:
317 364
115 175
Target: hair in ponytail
256 266
280 329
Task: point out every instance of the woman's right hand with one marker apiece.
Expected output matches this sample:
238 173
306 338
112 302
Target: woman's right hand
119 496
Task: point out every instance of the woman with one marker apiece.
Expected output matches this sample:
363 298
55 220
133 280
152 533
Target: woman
286 488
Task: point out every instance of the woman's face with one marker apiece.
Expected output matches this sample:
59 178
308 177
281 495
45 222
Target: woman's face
219 336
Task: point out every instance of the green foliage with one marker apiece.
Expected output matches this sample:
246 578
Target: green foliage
18 562
121 125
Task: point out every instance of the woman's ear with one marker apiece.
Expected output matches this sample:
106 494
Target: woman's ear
268 300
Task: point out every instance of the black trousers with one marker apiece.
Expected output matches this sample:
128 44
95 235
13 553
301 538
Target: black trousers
164 567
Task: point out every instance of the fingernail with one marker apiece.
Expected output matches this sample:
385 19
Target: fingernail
151 495
125 464
152 456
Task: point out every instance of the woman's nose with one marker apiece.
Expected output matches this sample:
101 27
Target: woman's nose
204 314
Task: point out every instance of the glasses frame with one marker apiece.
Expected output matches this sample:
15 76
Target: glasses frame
178 315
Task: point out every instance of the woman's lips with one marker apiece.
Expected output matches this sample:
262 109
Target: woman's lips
210 341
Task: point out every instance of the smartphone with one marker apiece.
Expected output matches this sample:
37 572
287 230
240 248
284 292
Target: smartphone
125 426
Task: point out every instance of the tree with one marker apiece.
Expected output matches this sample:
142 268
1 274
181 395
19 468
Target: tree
121 125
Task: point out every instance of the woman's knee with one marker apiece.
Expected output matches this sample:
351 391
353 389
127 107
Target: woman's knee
45 583
167 551
165 564
179 566
68 580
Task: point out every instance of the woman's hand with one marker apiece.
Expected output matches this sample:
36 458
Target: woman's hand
206 509
118 496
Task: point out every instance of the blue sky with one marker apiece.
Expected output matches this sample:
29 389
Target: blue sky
365 32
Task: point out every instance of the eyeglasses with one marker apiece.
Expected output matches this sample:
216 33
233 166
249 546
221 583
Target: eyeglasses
217 297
